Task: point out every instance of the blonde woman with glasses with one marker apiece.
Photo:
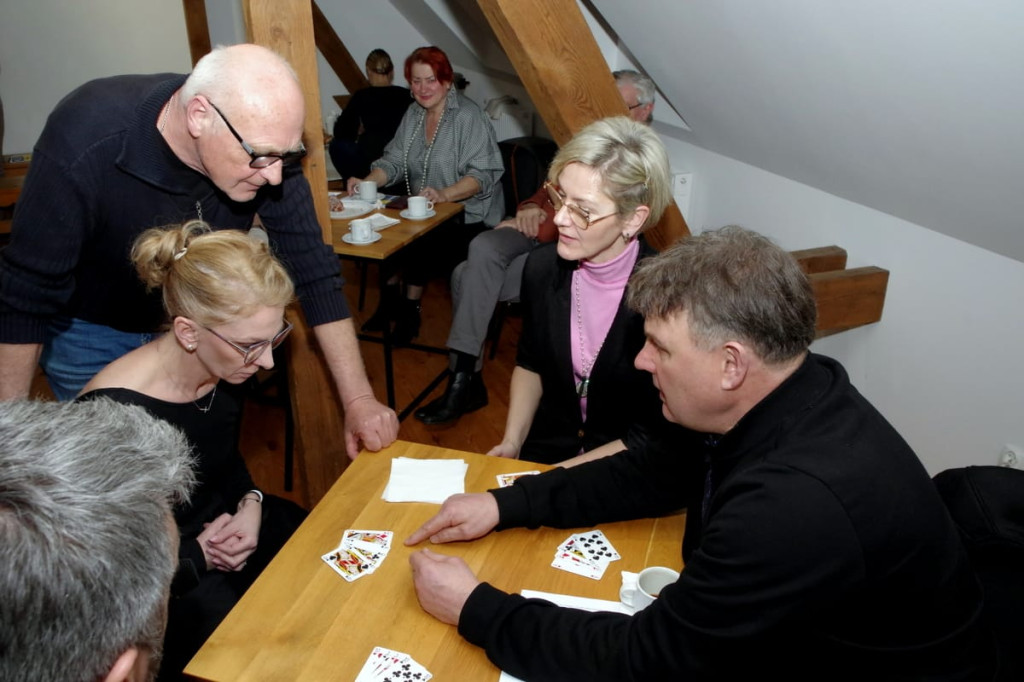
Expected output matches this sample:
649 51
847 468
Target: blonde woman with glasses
225 296
575 394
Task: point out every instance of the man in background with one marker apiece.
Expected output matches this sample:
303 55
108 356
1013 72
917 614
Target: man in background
126 153
89 544
637 92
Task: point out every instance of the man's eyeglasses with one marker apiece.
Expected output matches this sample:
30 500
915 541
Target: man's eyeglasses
579 216
252 352
260 160
634 106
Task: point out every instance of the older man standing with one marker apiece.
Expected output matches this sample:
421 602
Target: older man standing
89 543
819 548
122 154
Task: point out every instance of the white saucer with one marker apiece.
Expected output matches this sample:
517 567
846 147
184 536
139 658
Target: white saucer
429 214
347 238
353 209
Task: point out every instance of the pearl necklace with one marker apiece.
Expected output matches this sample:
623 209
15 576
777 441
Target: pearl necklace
430 147
583 385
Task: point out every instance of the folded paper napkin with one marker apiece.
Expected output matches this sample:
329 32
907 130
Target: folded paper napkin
379 221
425 480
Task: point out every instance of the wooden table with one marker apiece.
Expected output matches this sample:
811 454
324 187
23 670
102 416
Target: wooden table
393 240
301 621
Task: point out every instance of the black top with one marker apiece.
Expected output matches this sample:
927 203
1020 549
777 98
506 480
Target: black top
221 475
622 401
378 111
826 554
100 175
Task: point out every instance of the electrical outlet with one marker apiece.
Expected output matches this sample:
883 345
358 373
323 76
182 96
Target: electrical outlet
682 188
1011 456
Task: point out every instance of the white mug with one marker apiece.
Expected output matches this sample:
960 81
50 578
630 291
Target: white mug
419 206
649 584
367 190
361 230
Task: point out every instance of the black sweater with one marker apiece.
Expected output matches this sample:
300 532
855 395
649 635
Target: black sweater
826 554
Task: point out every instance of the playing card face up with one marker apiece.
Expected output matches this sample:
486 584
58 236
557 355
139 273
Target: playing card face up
360 553
587 554
505 480
385 665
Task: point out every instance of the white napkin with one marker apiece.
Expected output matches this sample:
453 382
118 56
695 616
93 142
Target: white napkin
425 480
379 221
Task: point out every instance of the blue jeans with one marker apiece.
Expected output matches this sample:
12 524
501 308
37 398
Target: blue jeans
76 350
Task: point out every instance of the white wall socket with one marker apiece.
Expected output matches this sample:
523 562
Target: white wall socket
1011 456
682 188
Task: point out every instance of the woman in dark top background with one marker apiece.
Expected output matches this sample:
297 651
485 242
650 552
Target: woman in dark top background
370 120
225 296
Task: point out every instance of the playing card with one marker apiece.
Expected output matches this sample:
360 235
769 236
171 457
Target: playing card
386 665
505 480
373 544
350 564
574 563
596 546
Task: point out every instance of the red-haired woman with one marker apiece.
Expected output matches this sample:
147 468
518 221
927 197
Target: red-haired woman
445 150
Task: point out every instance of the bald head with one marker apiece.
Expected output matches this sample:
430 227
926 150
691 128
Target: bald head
250 81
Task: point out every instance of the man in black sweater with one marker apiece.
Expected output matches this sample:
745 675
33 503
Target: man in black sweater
818 548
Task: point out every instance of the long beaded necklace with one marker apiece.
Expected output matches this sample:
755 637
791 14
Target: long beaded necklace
583 385
430 147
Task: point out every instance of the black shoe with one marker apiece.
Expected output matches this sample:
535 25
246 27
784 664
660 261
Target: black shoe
385 312
407 322
465 393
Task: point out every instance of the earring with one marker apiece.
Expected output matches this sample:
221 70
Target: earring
191 347
626 237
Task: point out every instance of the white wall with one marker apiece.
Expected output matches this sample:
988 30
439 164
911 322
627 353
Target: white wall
50 47
943 365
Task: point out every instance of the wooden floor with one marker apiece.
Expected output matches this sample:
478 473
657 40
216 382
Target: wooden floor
263 427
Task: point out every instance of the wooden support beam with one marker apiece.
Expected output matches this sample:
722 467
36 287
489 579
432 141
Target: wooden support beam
197 27
849 298
821 259
561 66
286 26
337 55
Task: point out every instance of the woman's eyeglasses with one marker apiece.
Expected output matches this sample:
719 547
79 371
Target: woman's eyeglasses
579 216
252 352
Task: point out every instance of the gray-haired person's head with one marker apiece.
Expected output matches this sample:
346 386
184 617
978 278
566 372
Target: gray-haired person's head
645 89
732 283
89 543
630 159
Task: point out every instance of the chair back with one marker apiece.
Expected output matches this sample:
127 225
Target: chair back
526 162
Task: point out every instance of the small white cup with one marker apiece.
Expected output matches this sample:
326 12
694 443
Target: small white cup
361 230
419 206
367 190
649 584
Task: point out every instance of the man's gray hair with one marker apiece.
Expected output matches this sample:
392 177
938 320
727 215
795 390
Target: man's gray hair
645 88
733 284
87 537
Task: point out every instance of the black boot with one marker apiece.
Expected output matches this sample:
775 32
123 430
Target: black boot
465 393
407 322
386 307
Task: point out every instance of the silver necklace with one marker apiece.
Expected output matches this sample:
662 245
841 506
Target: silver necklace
430 147
209 404
162 119
583 385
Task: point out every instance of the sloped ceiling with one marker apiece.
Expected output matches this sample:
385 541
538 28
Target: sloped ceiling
910 107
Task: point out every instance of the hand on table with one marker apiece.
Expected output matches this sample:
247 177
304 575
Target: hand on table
435 195
466 516
504 449
443 584
370 422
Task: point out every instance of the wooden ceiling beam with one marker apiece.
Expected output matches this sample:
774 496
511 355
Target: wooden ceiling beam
197 28
337 55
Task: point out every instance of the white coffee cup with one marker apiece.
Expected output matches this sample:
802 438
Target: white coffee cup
419 206
649 584
361 230
367 190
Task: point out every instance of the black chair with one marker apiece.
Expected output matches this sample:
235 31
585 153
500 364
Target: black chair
987 506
